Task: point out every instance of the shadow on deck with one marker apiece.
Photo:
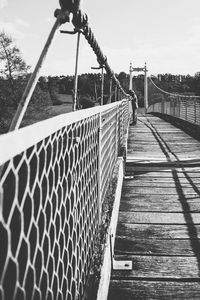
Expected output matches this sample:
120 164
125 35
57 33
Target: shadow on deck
159 218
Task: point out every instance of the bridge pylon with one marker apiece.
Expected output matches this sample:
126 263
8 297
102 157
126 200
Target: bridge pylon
145 87
131 70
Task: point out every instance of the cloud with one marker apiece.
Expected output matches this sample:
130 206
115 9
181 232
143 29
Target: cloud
3 3
118 59
178 56
11 29
50 20
22 23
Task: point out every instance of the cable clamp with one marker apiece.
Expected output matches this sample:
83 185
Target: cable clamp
62 16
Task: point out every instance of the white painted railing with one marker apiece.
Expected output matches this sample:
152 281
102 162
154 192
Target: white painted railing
186 108
54 178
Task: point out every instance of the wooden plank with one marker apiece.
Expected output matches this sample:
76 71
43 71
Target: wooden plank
163 179
160 184
160 247
158 218
157 197
174 164
154 290
168 174
136 156
164 132
165 165
162 267
137 137
137 169
158 231
128 191
134 205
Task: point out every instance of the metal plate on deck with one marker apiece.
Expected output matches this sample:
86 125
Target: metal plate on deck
122 265
129 177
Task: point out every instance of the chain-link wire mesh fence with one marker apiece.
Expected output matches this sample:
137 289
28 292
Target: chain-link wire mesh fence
186 109
180 106
54 178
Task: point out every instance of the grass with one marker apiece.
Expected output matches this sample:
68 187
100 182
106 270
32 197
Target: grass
99 247
35 114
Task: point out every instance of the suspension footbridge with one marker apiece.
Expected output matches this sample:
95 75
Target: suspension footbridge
55 177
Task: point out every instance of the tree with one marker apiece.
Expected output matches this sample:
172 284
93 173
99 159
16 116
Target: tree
12 64
124 80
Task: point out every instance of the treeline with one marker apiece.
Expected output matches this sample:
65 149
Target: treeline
49 88
89 86
14 75
179 83
48 93
176 84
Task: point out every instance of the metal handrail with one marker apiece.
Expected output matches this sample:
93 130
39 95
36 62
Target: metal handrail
28 137
52 188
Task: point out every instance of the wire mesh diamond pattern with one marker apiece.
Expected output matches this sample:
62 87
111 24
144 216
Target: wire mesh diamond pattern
49 215
184 108
49 208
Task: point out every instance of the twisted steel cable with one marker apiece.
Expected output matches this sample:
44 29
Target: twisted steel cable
172 94
80 22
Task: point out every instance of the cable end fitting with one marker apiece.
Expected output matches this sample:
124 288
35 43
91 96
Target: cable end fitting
63 16
80 20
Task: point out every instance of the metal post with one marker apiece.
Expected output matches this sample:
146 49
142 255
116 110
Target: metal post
32 81
95 90
102 81
174 107
111 250
110 97
120 95
131 77
115 93
116 131
186 109
195 110
170 106
76 73
99 170
145 88
163 106
102 85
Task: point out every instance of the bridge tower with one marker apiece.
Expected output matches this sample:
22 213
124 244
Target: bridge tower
131 70
130 77
145 87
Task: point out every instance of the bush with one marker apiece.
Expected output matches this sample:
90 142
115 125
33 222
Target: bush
86 102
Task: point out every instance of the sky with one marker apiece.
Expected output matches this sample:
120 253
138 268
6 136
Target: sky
164 33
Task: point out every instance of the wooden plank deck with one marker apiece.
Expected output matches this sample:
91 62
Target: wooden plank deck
159 218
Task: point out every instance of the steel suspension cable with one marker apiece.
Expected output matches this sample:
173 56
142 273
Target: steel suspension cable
62 16
171 94
80 22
